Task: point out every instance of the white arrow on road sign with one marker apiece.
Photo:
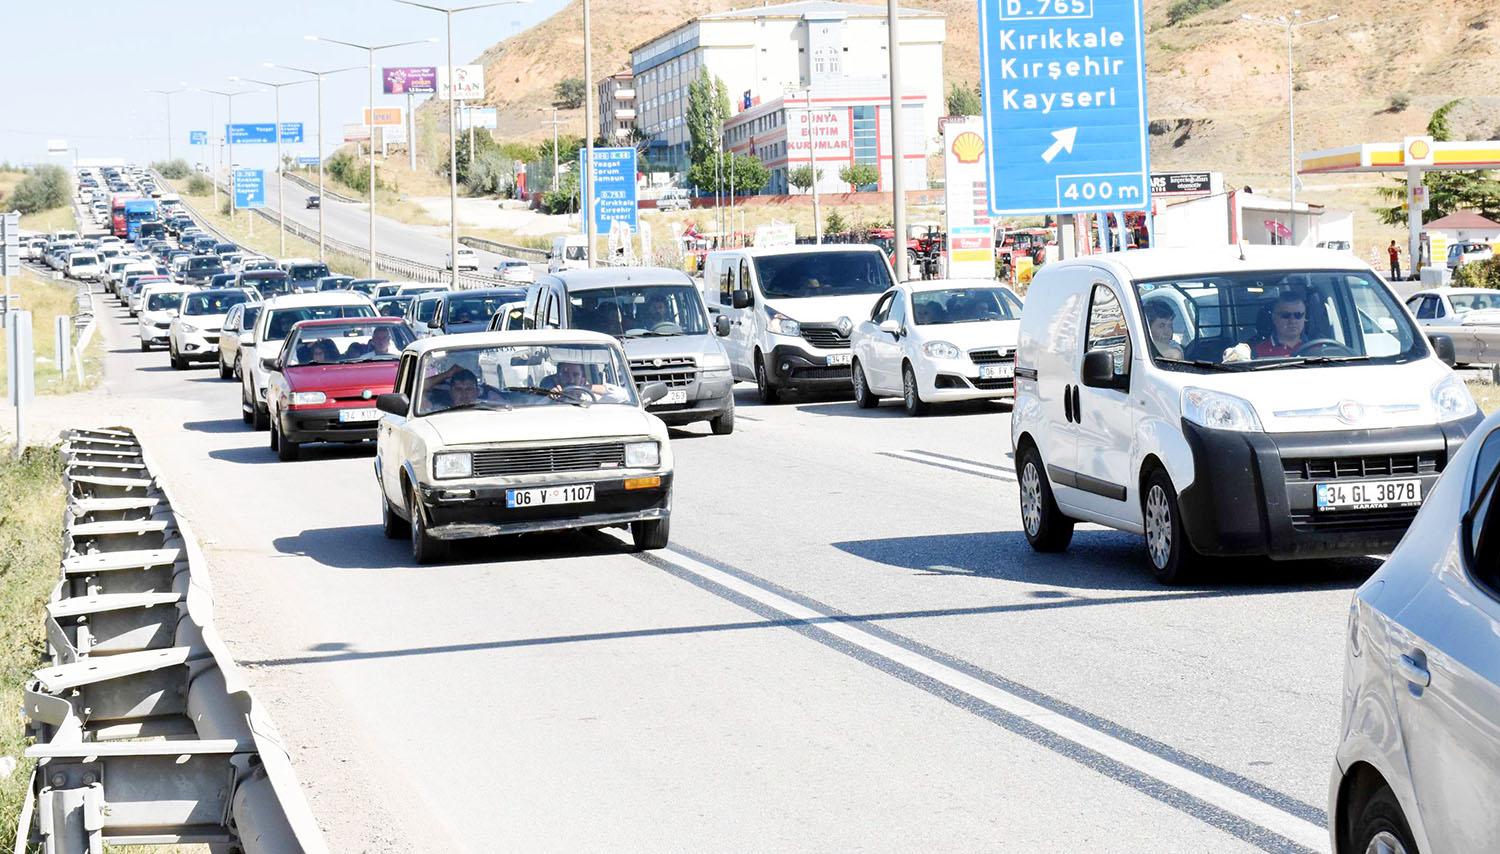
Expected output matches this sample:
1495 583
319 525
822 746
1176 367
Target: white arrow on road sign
1064 142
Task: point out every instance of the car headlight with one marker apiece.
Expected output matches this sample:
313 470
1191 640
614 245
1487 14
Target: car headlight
1219 411
1452 399
189 328
940 350
714 362
308 398
642 455
782 325
453 464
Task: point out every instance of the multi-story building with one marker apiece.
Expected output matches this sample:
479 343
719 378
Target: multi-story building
767 54
617 105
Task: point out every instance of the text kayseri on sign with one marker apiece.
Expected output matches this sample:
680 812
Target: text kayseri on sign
1046 102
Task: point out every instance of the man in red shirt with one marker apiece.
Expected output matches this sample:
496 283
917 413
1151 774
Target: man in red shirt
1288 328
1395 252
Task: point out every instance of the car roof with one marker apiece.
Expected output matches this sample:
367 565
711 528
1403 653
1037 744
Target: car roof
1142 264
478 292
169 287
606 277
1446 291
320 298
922 285
345 321
799 249
519 337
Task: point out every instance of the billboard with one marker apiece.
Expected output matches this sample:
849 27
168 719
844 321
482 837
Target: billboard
393 135
971 237
468 82
829 135
480 117
356 132
384 116
410 80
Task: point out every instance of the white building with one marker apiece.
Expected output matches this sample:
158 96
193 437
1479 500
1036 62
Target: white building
763 53
616 99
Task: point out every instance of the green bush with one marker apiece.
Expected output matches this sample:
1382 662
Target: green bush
199 185
1478 274
45 188
860 174
352 172
834 223
1184 9
173 169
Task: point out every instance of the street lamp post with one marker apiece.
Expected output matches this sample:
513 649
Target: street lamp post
168 93
280 182
229 141
453 125
586 188
898 160
370 49
317 75
555 122
1291 23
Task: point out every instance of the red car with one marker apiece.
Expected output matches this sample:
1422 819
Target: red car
323 386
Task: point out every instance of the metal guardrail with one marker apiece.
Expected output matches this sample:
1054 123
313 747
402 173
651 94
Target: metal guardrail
327 193
145 732
524 252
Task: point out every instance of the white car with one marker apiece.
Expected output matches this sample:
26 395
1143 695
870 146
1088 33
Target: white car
509 318
159 305
277 316
515 271
420 310
675 199
236 336
467 260
414 288
1470 316
195 330
457 448
1418 761
1254 401
84 266
937 341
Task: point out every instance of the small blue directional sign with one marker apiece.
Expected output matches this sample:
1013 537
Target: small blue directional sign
1064 105
613 186
249 188
291 132
307 160
198 137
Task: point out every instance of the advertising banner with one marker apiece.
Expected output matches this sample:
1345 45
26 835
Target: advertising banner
384 116
487 118
829 135
971 236
468 82
409 80
393 135
356 132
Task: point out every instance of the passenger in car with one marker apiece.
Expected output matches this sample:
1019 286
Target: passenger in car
324 352
1159 320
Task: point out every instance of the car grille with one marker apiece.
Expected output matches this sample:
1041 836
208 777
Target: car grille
994 383
825 337
993 355
1354 521
1337 468
510 461
674 371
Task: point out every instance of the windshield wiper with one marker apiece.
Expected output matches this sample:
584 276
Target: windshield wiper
650 333
554 393
478 404
1203 363
1303 361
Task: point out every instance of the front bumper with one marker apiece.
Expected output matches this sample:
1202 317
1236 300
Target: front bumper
795 367
953 380
198 347
484 514
323 425
707 399
1244 500
155 335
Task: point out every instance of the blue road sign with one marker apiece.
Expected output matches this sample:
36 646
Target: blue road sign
613 186
249 188
291 132
198 137
307 160
247 133
1064 105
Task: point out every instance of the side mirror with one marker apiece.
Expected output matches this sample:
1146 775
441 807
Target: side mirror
652 392
1099 370
434 323
270 363
741 299
1442 345
549 256
721 326
890 326
394 402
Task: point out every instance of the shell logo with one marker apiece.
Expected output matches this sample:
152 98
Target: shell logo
968 147
1419 149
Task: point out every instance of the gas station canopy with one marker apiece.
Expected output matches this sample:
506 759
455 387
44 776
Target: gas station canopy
1393 157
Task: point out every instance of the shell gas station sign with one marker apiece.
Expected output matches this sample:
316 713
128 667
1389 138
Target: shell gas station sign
971 235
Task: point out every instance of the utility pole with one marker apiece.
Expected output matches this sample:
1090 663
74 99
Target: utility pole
812 153
555 122
317 75
898 161
586 188
168 93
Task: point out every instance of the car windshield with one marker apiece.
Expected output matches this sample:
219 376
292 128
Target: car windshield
213 302
1276 319
512 376
163 302
831 273
963 305
196 264
308 271
633 311
575 253
1465 303
281 321
425 309
394 306
354 342
466 310
268 284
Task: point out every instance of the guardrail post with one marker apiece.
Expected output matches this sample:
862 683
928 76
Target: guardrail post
61 349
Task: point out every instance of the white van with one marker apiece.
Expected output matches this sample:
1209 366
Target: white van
791 311
569 252
1257 401
675 199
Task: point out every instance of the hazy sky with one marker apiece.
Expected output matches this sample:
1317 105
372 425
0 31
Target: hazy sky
78 69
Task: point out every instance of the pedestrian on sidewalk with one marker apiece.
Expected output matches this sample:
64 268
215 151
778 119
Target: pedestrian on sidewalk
1395 252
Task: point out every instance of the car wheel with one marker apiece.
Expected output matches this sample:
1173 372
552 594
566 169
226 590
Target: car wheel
245 409
769 394
1381 827
178 363
1172 556
425 548
863 397
724 424
144 346
238 371
286 450
225 372
394 526
651 533
262 419
911 396
1045 526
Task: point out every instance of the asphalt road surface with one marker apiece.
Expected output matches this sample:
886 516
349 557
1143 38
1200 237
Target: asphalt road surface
847 646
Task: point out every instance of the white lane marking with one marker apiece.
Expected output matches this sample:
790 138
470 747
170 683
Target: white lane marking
953 465
1298 830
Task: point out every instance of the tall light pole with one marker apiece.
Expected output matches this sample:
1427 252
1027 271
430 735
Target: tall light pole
453 126
1291 23
555 122
229 140
898 159
812 153
586 188
370 49
317 75
280 182
168 93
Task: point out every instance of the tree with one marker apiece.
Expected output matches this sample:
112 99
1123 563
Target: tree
45 188
744 173
834 223
801 177
964 101
568 94
491 174
1449 191
707 109
859 174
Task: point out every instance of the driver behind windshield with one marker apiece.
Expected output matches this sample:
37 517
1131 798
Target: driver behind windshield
575 375
1288 332
656 312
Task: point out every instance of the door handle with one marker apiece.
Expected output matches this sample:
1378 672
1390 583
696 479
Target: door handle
1077 414
1414 672
1068 403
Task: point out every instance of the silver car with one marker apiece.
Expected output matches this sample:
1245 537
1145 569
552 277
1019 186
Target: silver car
1418 763
1469 316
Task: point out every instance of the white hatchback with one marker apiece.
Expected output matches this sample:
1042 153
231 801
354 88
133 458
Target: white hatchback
937 341
159 305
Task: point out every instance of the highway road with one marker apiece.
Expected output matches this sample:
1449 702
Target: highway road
848 646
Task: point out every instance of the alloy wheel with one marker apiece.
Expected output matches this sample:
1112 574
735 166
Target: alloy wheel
1031 498
1158 527
1385 842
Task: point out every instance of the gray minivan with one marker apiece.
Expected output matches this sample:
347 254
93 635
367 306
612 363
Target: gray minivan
658 314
